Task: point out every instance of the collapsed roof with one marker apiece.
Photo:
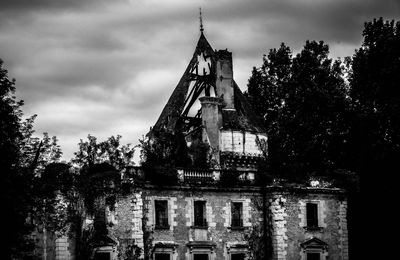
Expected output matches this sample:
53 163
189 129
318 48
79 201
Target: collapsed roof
182 112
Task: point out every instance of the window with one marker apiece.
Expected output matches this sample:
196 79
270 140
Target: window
237 256
161 256
200 219
313 256
161 208
102 256
237 218
200 257
312 215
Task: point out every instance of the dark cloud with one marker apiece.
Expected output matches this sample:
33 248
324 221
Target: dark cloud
108 67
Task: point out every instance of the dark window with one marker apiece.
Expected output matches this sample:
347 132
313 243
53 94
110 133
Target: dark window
237 219
161 213
200 257
313 256
237 256
312 215
200 219
161 256
102 256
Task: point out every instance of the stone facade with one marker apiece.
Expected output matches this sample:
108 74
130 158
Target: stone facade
217 236
273 226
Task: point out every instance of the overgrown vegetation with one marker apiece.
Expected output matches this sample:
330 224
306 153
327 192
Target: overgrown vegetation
336 119
163 152
23 158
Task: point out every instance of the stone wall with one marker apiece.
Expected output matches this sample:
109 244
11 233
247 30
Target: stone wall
125 224
289 228
132 222
218 233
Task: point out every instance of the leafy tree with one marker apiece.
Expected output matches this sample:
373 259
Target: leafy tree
54 198
304 108
11 179
110 151
98 162
161 153
22 160
100 165
375 129
375 91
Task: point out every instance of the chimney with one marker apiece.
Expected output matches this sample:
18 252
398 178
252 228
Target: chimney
211 119
224 79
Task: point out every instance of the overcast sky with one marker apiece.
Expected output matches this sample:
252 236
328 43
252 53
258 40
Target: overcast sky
108 67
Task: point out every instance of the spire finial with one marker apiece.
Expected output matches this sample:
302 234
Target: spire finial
201 22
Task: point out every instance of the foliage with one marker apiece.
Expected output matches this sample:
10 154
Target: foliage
374 81
161 153
321 128
127 250
109 151
304 105
100 165
375 128
11 179
23 158
53 193
98 183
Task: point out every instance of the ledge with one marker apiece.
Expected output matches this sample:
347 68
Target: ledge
237 228
199 227
201 244
161 227
252 189
314 229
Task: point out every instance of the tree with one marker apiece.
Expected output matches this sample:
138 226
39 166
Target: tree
23 158
375 128
161 153
98 184
305 107
12 181
267 85
110 151
108 158
375 92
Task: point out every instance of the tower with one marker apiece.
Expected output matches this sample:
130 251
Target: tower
207 104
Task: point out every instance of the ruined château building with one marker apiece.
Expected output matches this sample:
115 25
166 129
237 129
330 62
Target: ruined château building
201 218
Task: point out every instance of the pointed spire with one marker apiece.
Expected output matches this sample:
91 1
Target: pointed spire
201 22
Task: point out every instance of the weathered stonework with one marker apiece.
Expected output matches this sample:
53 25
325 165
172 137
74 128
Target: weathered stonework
217 214
278 226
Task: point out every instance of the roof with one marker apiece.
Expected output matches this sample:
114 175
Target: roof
175 105
243 118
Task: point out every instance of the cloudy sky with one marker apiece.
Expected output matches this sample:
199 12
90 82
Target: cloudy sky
108 67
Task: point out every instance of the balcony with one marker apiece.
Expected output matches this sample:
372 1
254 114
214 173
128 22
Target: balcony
212 176
198 175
